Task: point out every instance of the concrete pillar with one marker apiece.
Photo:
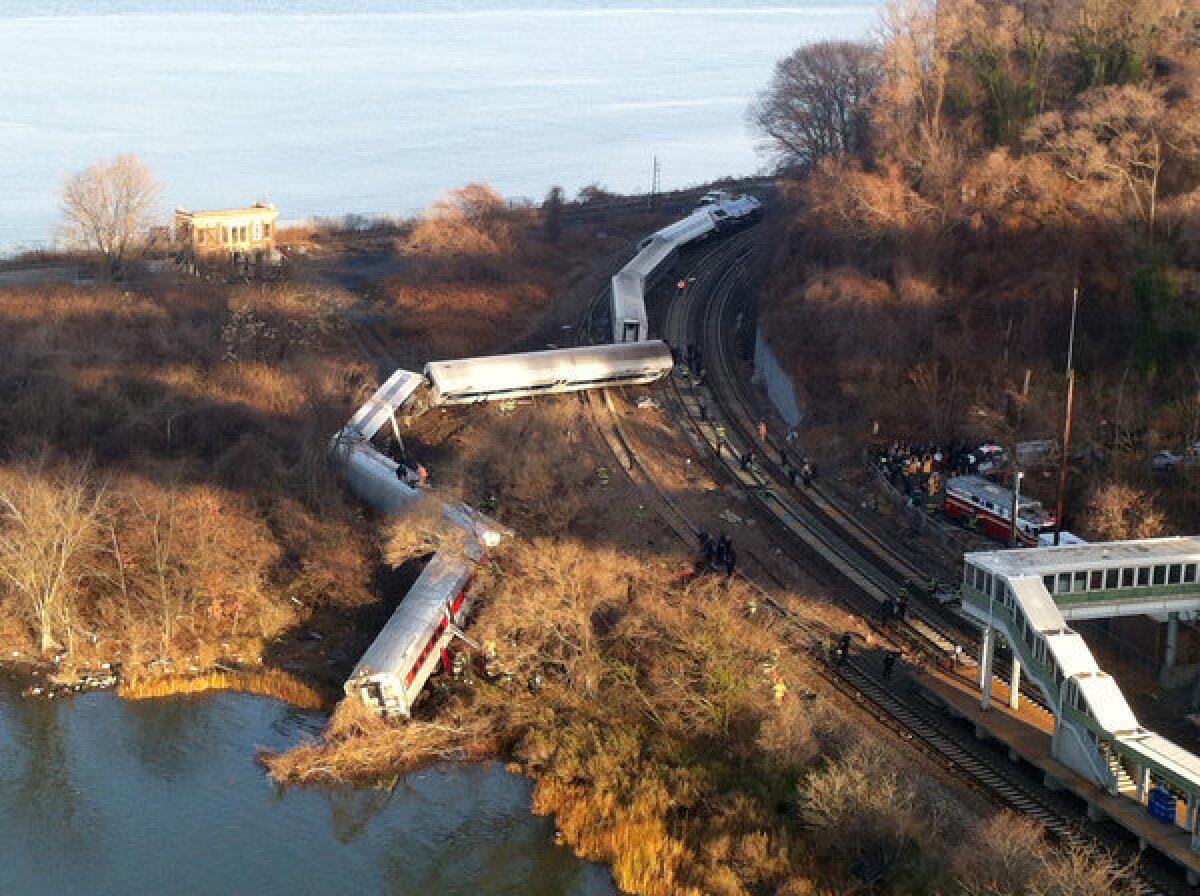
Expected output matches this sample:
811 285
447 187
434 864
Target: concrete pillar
1172 648
986 652
1014 697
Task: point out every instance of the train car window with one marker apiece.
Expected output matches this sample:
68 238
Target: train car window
1048 581
1175 573
1110 578
1064 583
1160 575
1097 580
987 583
1127 577
1189 572
1081 578
1143 578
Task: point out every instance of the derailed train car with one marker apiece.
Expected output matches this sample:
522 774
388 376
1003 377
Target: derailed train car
392 673
546 373
718 211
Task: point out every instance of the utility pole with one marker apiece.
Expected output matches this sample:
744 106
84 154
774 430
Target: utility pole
1066 442
654 181
1016 504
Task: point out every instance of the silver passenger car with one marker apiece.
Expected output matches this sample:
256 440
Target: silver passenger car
545 373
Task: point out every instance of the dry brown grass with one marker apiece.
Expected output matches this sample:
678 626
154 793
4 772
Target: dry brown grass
640 702
265 683
204 412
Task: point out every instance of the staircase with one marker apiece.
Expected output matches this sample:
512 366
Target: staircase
1126 786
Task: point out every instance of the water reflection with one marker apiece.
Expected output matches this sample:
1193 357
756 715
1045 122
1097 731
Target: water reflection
36 784
102 796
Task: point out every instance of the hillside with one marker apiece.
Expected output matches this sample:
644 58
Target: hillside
993 157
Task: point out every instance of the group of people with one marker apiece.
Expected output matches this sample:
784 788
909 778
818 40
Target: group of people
841 653
916 468
719 554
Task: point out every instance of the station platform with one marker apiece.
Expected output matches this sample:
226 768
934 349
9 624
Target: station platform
1027 732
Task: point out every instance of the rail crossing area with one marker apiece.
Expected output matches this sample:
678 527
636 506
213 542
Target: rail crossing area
1081 732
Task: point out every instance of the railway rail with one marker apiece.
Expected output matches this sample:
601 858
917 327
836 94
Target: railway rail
713 412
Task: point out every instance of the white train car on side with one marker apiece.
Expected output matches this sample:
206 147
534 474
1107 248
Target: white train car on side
391 674
546 373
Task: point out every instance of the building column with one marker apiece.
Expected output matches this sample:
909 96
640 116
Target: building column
1014 697
1172 647
986 653
1143 783
1189 819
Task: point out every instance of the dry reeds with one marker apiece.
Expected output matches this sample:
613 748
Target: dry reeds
264 683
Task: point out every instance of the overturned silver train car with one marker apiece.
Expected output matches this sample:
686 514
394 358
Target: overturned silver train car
392 673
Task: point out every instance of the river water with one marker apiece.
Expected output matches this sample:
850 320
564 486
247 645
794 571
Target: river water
103 796
367 106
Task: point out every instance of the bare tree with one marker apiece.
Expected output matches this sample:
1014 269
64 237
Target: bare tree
816 106
1117 511
49 532
109 206
552 214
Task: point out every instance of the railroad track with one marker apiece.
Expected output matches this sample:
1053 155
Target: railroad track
816 527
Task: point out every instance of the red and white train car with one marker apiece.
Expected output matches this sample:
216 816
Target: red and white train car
988 506
391 674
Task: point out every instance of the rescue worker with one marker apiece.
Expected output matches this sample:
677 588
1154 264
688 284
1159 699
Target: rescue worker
889 664
730 560
720 441
762 431
724 545
780 690
747 459
806 474
422 476
842 652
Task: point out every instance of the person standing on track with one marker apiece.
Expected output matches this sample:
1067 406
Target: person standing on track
762 431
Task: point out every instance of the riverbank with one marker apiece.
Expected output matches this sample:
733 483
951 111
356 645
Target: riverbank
673 729
178 462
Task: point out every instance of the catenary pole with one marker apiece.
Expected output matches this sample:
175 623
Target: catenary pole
1066 446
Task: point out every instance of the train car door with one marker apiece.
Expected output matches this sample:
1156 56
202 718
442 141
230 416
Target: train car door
631 331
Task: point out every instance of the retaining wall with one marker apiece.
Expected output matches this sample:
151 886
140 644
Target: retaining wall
774 378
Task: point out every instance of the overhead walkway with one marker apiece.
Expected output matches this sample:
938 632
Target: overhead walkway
1028 597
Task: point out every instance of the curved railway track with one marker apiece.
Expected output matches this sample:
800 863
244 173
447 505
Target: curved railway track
714 413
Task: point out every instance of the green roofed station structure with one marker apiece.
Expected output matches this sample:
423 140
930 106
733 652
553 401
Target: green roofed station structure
1030 597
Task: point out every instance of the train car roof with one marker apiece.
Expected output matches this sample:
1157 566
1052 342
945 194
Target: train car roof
406 633
1068 558
978 486
696 224
499 372
378 409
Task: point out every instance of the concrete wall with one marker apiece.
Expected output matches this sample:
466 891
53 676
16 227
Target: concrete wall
771 374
